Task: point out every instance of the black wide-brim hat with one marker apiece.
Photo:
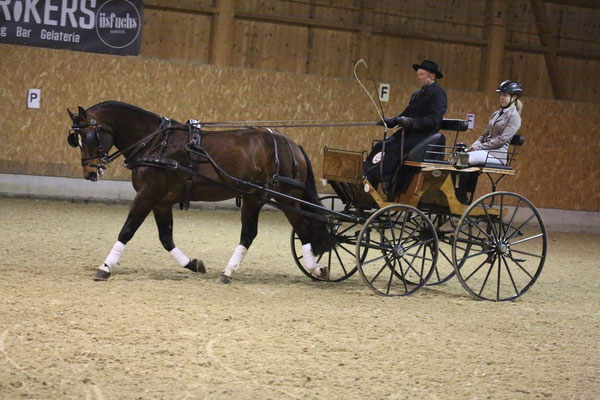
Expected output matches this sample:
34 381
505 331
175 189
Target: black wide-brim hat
430 66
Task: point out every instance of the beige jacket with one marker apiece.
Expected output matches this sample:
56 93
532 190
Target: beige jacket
499 132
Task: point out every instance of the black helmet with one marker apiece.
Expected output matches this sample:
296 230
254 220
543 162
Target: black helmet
512 87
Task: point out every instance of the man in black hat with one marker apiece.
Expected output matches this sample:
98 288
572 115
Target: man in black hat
422 117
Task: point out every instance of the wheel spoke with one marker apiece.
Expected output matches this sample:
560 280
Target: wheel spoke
340 260
417 243
475 271
510 275
478 254
402 275
491 224
524 252
380 271
486 278
347 229
513 217
419 257
390 244
391 227
522 268
403 223
501 225
390 281
526 239
412 233
498 283
520 226
478 227
375 259
445 256
410 266
346 250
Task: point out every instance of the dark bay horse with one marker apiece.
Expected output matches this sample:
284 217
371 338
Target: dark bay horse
166 172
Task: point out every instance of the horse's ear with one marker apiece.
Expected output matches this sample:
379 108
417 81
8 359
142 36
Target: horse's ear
82 113
71 115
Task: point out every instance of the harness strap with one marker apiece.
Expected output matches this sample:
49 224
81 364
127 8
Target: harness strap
195 140
277 163
294 161
163 144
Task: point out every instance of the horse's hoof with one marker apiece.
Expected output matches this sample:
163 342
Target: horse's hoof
224 279
196 266
322 273
101 275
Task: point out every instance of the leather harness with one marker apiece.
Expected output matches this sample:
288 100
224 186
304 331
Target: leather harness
198 155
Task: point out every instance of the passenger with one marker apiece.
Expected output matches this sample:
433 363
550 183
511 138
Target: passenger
422 116
492 146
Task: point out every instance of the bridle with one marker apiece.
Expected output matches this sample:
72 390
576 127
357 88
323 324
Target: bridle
92 136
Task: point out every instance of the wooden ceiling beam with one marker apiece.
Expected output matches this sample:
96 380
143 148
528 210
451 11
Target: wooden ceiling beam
577 3
548 40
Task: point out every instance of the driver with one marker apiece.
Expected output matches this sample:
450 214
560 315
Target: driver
422 116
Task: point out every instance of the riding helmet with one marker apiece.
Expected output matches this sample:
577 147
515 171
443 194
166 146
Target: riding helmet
512 87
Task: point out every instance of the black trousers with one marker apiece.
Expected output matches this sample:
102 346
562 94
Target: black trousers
375 172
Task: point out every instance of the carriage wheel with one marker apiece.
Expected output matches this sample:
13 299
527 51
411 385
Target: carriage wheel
445 224
507 254
404 250
340 260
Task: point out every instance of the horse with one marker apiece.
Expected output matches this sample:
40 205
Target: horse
173 163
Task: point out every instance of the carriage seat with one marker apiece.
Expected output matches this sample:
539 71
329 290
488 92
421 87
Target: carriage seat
419 152
516 141
458 125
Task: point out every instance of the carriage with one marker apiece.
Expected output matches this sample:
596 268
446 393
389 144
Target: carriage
415 232
400 236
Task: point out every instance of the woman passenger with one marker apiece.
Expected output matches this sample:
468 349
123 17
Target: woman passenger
492 146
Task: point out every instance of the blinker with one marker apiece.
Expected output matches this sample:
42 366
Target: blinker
72 139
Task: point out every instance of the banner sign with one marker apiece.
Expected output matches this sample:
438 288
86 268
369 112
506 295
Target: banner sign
99 26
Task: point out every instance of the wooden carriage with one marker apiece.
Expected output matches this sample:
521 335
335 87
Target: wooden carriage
415 232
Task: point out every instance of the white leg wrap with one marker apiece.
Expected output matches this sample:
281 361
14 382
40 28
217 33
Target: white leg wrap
309 257
236 260
113 257
178 255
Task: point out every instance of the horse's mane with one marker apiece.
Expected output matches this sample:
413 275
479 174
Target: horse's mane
120 104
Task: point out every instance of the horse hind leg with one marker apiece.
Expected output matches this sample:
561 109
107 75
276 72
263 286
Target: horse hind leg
163 216
304 229
250 210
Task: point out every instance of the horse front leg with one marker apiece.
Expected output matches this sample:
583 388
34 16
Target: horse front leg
137 214
163 215
250 211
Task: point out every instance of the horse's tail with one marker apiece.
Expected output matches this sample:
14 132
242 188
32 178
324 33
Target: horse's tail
320 240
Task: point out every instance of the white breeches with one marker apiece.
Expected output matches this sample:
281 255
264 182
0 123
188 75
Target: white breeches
236 260
481 157
113 257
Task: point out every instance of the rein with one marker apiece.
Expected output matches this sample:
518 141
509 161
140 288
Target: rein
275 124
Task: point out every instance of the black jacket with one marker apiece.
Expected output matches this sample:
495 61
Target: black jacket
427 107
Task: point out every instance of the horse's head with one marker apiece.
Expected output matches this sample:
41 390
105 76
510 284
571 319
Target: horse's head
95 141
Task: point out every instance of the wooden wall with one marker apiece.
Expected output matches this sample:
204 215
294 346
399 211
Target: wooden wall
559 165
551 46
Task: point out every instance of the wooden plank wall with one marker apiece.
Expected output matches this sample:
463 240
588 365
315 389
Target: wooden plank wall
558 168
326 37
